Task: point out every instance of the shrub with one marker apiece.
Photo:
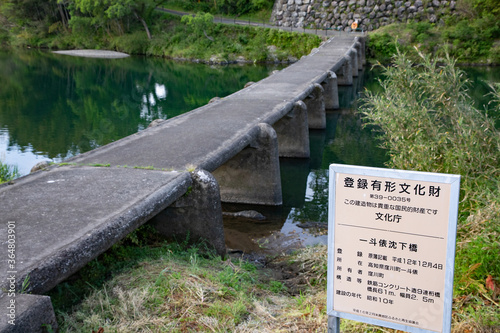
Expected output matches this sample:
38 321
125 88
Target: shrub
381 46
428 123
134 43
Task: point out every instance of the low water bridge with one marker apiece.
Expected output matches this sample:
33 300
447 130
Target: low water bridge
175 173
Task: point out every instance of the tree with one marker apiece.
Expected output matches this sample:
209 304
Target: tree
104 11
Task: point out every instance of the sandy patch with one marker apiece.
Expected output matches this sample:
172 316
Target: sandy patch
93 53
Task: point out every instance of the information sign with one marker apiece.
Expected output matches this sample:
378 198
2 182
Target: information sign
391 247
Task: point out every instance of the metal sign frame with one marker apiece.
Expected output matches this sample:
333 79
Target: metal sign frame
452 210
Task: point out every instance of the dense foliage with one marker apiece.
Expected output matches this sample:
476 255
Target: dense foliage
226 7
471 35
428 123
135 27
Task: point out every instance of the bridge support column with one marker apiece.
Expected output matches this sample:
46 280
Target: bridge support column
315 102
293 133
197 214
253 175
359 50
354 58
344 74
31 314
331 94
362 41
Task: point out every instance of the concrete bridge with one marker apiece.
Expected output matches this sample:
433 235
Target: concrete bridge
56 220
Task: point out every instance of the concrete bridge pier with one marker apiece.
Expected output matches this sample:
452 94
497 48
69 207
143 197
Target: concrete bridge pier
331 94
197 214
293 132
354 61
359 50
362 41
344 73
315 104
253 175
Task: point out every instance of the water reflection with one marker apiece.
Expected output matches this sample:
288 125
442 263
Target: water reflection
53 106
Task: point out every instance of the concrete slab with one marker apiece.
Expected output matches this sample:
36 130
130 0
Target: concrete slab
65 217
24 313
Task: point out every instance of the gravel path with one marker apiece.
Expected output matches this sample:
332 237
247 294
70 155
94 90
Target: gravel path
94 53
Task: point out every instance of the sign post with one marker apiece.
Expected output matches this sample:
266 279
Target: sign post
391 247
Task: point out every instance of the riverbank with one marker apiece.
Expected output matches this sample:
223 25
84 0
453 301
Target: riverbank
186 38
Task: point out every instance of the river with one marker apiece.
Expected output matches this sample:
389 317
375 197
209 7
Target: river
53 107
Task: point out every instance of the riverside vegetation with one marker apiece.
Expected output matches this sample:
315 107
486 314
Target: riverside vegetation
137 28
471 35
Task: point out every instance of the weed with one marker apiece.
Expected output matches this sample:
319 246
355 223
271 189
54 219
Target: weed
7 172
25 284
277 287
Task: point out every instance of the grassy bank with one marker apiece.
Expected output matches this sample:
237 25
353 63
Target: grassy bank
469 41
176 287
471 34
174 37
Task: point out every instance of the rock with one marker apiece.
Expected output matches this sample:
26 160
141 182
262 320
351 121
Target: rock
40 166
156 122
249 214
215 99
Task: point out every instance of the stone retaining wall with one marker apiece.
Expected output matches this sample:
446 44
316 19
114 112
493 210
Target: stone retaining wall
369 14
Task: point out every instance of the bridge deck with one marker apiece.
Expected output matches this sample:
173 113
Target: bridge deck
65 217
208 136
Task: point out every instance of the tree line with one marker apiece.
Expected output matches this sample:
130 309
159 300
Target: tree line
115 17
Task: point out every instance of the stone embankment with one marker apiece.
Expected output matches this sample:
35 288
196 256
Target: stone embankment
369 14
